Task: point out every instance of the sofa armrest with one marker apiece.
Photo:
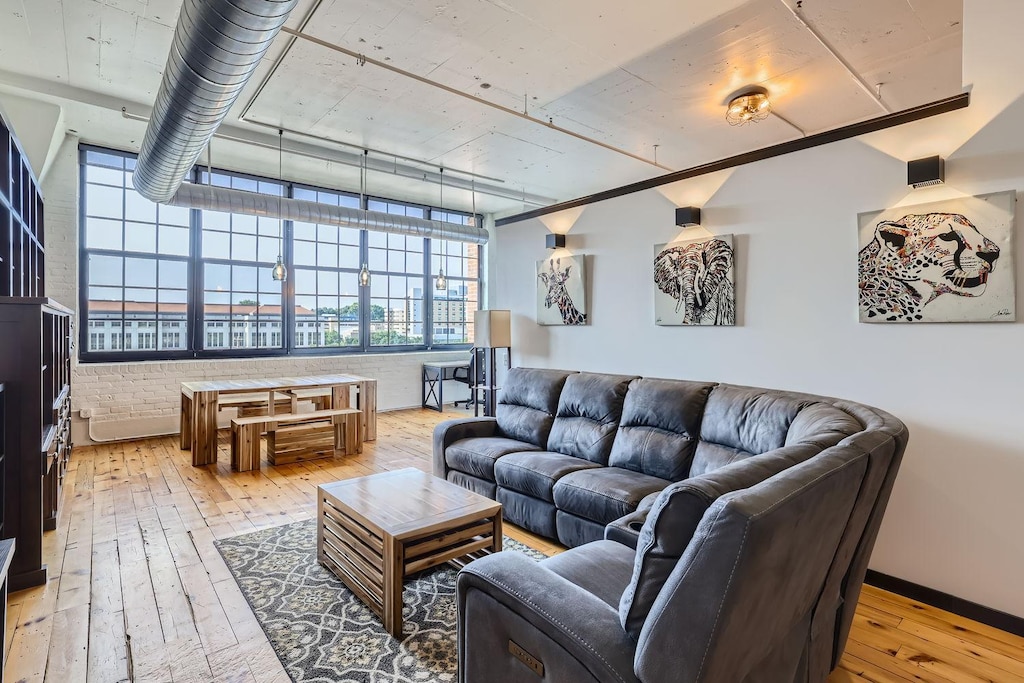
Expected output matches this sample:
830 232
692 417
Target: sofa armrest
450 431
626 529
507 596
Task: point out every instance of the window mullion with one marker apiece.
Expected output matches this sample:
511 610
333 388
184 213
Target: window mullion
428 294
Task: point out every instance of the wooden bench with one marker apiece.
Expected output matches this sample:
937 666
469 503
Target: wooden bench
293 437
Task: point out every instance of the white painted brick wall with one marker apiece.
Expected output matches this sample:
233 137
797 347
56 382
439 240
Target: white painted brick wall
144 396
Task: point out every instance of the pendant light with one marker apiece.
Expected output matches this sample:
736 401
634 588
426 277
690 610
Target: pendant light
441 284
364 272
280 273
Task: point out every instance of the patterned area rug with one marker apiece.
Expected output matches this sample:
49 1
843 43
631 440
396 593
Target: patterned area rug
322 633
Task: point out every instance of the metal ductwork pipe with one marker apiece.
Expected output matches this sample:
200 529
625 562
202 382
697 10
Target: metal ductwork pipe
213 198
217 46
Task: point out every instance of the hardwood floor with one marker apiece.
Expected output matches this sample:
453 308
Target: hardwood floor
137 591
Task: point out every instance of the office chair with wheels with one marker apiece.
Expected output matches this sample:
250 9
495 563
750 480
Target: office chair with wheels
468 377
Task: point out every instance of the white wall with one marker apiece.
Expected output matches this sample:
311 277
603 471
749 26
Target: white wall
954 520
141 399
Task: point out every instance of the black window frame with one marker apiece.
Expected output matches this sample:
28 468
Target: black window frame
194 319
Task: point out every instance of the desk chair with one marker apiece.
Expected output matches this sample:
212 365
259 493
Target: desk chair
469 379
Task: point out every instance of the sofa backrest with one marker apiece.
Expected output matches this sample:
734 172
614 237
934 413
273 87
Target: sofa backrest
588 414
529 399
884 439
740 422
660 427
737 606
675 516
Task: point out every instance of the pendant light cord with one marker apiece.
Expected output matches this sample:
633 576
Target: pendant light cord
280 177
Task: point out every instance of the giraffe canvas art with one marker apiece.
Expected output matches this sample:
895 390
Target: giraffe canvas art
561 291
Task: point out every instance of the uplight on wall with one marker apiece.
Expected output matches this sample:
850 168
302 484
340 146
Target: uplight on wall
926 172
554 240
688 216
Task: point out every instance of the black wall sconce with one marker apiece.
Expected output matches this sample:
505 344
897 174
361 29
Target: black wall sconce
555 241
687 216
925 172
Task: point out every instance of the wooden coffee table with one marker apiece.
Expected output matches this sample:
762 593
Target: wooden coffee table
374 531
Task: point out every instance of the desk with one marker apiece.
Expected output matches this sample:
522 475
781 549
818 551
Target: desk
434 377
199 405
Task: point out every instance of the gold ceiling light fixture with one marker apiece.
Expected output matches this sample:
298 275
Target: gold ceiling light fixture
750 104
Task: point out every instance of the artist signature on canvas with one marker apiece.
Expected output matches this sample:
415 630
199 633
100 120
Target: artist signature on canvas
1001 313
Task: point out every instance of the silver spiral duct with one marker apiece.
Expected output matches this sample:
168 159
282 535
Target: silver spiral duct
217 46
212 198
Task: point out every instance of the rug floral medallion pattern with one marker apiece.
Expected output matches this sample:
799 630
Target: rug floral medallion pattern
323 633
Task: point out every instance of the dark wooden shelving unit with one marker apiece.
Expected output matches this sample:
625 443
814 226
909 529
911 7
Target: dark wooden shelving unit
35 368
21 221
35 362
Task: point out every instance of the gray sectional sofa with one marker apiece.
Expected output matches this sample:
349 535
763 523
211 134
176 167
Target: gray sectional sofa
636 463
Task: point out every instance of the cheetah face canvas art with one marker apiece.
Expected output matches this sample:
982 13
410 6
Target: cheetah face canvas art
947 261
561 293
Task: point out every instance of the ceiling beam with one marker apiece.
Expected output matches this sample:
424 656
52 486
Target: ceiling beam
835 135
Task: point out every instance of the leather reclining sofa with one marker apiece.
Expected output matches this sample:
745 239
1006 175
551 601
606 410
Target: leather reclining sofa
636 464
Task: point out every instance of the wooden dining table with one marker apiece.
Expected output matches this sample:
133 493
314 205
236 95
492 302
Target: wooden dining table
199 405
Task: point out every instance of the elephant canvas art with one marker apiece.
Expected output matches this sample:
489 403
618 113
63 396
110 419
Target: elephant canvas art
694 282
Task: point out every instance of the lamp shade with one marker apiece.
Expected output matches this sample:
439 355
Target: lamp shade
493 329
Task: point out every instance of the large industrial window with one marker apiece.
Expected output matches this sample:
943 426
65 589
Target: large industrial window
238 253
397 286
166 282
134 265
454 304
326 266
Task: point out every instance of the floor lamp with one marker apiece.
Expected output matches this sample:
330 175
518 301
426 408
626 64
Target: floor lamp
493 331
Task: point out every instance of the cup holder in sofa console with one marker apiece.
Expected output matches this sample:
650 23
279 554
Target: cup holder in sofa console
636 526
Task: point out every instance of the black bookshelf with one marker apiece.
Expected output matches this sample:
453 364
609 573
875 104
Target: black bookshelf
21 221
35 368
37 438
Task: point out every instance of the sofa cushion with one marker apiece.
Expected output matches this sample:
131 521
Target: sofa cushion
675 515
660 427
602 568
477 456
604 493
527 405
474 484
575 531
527 512
823 425
743 421
588 415
535 472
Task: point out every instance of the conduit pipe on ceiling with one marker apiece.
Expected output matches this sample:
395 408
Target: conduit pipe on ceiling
217 46
213 198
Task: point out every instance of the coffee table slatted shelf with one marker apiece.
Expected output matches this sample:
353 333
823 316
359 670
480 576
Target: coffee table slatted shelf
374 531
